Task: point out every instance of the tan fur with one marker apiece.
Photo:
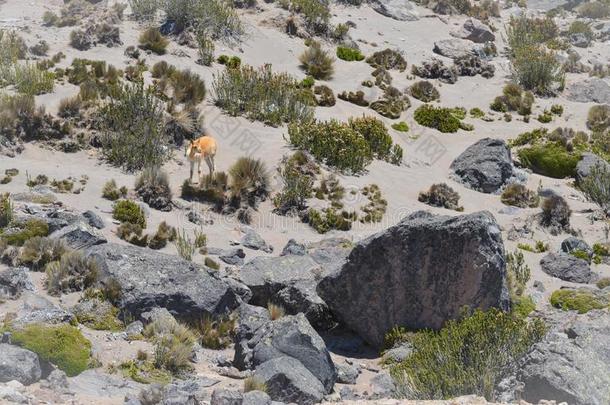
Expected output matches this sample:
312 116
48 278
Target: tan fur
203 148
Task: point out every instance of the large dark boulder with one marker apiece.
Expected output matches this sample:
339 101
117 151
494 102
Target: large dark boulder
290 336
289 281
484 166
79 235
288 381
567 267
147 279
572 362
418 274
18 364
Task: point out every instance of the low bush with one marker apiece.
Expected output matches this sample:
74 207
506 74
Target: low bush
188 87
132 233
594 9
439 118
598 118
349 54
518 195
6 210
211 189
549 159
112 192
70 107
376 207
392 104
254 384
424 90
218 17
40 49
324 96
537 69
216 333
401 126
514 98
72 272
231 62
467 356
317 62
129 211
80 40
22 231
354 97
39 251
260 94
581 300
205 47
476 113
61 345
165 233
152 186
603 283
151 39
315 13
250 181
545 117
387 59
596 186
441 195
329 219
297 182
31 80
555 213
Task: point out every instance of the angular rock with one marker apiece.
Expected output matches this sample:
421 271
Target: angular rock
593 90
256 398
484 166
397 9
287 380
398 353
289 281
38 309
572 244
99 384
289 336
14 281
572 362
588 162
148 279
294 248
93 219
226 397
346 374
57 381
18 364
475 31
134 329
382 386
252 240
79 236
567 268
419 273
234 257
14 393
456 48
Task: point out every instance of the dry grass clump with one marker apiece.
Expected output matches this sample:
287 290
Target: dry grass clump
250 181
216 333
151 39
275 311
317 62
555 214
152 186
39 251
441 195
424 90
387 59
112 192
73 272
518 195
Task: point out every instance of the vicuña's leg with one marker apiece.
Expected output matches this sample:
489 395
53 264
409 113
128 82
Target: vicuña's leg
192 169
210 162
213 168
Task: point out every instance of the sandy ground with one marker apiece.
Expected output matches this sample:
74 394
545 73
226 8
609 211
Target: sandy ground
428 153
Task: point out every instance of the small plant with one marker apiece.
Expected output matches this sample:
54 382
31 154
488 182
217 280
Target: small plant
582 300
275 311
550 159
254 384
441 195
424 90
129 211
401 126
165 233
555 213
184 245
25 230
61 345
557 109
205 48
388 59
603 283
231 62
112 192
249 180
297 183
545 117
396 336
518 195
324 96
317 62
132 233
73 272
598 118
596 186
439 118
376 207
6 210
151 39
39 251
216 334
80 40
476 113
153 187
329 219
349 54
518 273
514 98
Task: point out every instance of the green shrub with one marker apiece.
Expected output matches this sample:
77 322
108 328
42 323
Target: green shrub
401 126
317 62
439 118
349 54
187 86
129 211
297 183
152 185
105 316
6 210
72 272
218 17
467 356
557 109
582 300
151 39
550 159
514 98
596 186
38 251
537 69
518 274
205 47
324 96
545 117
387 59
184 245
375 134
260 94
518 195
476 113
376 207
165 233
63 346
144 9
25 230
424 90
133 137
316 14
524 31
231 62
30 79
441 195
112 192
396 336
329 219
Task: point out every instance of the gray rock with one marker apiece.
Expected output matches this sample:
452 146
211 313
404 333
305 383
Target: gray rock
148 279
18 364
226 397
398 353
182 393
484 166
13 392
79 236
396 9
252 240
94 220
572 363
289 381
99 384
250 319
290 336
419 273
593 90
588 162
475 31
346 374
567 267
134 329
330 253
234 257
38 309
294 248
579 40
256 398
457 48
57 381
572 244
289 281
14 281
382 386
